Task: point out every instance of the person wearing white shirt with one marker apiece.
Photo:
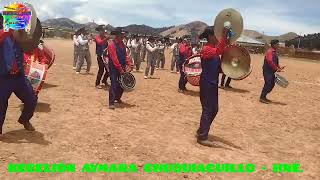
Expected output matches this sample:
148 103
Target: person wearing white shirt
151 57
161 60
175 55
84 52
143 49
75 51
136 48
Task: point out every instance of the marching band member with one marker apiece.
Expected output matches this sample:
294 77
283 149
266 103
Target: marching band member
209 79
143 49
75 50
84 51
184 53
13 80
151 57
270 66
101 44
175 55
119 64
136 48
161 56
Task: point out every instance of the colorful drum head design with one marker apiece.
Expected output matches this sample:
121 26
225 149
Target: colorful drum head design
17 16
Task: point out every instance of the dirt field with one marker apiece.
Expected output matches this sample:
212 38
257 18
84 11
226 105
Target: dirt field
157 125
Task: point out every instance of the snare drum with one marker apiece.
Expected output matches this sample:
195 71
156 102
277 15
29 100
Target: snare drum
281 81
192 69
127 81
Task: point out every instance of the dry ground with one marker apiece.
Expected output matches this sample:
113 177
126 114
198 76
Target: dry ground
157 125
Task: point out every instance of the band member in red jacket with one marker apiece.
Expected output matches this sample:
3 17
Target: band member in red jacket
119 64
13 80
185 52
270 66
101 44
209 80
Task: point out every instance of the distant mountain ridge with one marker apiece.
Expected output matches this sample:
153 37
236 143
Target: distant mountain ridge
174 31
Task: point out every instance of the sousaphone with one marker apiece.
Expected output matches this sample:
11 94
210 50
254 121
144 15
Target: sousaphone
233 19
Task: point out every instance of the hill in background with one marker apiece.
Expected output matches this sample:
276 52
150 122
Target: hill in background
174 31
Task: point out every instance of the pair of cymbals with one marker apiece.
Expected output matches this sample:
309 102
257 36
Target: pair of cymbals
231 18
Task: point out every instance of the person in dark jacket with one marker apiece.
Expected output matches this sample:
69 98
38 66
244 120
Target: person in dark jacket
270 67
101 44
209 80
13 79
118 65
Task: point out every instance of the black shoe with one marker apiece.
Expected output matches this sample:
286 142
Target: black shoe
264 100
119 101
27 125
207 143
113 107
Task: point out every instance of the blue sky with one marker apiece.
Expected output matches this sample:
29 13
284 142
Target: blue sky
273 17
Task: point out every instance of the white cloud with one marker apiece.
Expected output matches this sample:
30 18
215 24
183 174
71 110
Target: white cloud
269 16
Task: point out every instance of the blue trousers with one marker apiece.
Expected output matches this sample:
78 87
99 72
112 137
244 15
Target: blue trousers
115 91
182 80
269 83
22 88
209 103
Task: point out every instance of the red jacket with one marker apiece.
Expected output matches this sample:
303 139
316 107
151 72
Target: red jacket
270 59
209 51
112 51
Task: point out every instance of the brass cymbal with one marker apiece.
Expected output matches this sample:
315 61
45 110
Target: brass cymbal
236 63
235 20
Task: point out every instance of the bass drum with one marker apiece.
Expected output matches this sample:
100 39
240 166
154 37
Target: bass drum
36 73
192 69
49 54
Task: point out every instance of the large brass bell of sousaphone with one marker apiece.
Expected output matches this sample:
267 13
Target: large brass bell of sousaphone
235 21
236 62
30 40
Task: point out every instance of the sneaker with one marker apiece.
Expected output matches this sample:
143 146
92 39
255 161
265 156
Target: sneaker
172 71
150 77
145 77
180 91
178 72
27 125
99 87
157 68
74 68
77 72
112 107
